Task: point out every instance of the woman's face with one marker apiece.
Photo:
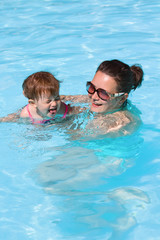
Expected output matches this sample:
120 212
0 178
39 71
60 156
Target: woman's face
107 83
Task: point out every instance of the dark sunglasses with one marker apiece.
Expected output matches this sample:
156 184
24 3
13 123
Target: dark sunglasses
102 94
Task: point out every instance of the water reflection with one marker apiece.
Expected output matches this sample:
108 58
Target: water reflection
91 197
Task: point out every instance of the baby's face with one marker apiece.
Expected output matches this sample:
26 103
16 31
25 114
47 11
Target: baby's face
48 106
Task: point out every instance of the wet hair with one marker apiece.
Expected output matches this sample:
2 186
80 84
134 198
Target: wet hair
40 83
126 77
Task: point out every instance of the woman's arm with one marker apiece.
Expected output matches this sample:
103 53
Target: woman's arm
75 98
13 117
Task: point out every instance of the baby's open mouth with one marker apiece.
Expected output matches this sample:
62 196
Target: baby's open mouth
53 110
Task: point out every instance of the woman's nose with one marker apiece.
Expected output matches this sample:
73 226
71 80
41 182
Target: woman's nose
95 96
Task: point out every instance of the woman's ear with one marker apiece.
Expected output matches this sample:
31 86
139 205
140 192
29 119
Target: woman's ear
124 98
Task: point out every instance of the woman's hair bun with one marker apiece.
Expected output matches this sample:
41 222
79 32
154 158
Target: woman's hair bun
137 75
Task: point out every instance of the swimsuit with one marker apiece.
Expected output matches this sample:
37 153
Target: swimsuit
45 120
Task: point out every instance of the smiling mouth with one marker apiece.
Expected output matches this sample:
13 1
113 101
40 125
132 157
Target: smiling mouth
96 104
53 110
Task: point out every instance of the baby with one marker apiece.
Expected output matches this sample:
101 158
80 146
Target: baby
42 91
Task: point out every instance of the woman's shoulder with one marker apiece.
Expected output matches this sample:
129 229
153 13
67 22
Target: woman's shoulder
106 123
121 122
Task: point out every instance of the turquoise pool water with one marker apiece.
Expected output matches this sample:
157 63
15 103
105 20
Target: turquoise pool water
54 185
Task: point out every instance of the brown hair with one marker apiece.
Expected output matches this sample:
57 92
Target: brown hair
126 77
40 83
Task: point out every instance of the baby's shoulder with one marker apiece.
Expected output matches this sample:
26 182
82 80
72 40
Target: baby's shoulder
24 112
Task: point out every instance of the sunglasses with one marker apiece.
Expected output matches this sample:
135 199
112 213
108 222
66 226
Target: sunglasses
102 94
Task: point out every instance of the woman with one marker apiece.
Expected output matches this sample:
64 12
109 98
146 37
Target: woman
108 92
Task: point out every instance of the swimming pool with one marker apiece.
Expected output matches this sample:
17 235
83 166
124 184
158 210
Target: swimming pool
54 186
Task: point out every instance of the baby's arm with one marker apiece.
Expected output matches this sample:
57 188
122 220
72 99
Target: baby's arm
75 98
